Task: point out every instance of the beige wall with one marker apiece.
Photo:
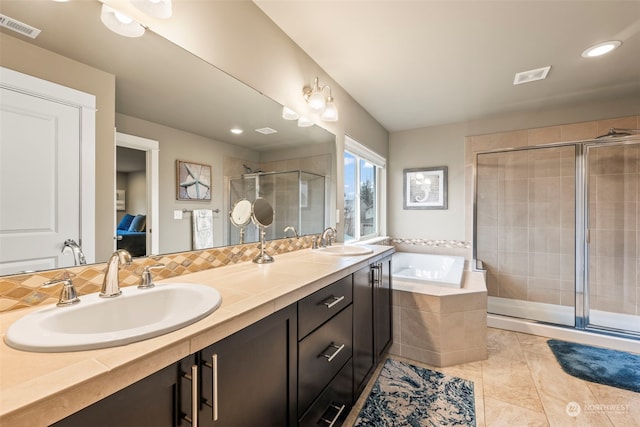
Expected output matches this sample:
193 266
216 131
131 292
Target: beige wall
238 38
175 235
445 146
26 58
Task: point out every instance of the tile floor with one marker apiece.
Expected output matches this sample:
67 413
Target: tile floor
522 384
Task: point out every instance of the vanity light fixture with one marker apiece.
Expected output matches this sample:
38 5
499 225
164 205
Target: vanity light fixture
601 48
289 114
155 8
318 103
236 131
120 23
304 122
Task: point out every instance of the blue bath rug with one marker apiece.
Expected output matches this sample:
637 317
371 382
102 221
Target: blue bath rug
406 395
599 365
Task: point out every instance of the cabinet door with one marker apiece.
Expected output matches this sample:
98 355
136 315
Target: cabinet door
382 307
249 378
151 401
363 355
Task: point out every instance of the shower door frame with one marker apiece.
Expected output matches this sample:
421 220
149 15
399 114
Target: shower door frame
583 321
581 276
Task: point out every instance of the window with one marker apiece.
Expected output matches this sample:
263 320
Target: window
363 176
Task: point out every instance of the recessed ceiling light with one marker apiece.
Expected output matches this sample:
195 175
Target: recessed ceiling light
531 75
601 49
236 131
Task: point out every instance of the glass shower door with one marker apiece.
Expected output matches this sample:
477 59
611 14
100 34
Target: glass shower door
525 232
613 237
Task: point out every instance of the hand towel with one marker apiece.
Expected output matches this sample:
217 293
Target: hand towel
202 228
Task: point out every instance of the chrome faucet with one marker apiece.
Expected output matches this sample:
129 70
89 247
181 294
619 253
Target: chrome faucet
78 255
68 294
291 228
111 284
147 278
328 236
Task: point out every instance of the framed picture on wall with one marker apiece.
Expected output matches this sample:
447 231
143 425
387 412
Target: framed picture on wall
425 188
193 181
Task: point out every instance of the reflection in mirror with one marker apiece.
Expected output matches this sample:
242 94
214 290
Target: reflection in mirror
298 198
240 216
262 215
166 94
241 213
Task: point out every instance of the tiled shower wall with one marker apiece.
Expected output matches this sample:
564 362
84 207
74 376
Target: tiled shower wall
525 223
614 221
537 265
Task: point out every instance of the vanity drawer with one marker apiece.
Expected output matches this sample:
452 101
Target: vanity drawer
333 405
320 306
321 355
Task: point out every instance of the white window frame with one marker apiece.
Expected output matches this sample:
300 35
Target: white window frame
361 152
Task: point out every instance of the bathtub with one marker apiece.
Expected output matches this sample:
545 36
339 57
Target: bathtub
433 295
428 269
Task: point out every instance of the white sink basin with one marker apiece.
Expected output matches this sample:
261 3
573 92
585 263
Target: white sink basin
97 322
345 250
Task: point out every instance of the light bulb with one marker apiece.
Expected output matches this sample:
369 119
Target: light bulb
330 113
289 114
304 122
316 101
120 23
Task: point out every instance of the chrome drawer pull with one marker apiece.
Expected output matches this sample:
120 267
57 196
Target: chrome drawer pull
213 403
214 386
333 421
194 395
333 300
335 353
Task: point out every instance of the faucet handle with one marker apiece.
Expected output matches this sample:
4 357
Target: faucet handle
68 294
147 279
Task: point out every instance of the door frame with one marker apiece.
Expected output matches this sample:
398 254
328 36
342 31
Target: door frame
86 104
152 149
583 299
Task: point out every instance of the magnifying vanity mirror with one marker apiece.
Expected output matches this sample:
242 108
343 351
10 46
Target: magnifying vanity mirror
163 93
240 216
262 216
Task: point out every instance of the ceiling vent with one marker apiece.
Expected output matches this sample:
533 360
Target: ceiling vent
266 131
18 27
531 75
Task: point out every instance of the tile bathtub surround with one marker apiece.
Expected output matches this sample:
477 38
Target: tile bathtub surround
24 290
445 328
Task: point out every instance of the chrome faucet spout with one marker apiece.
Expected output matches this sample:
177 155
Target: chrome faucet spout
291 228
328 236
78 255
111 283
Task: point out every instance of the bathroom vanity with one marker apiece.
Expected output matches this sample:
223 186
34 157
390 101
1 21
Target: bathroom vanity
288 346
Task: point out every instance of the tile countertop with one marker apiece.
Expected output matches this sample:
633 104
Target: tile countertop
37 389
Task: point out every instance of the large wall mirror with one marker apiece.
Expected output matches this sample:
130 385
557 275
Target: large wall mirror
188 107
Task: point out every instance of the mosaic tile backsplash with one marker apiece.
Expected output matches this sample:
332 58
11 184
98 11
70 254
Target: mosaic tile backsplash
24 290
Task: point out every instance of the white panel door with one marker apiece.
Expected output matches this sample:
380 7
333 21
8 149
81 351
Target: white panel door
39 181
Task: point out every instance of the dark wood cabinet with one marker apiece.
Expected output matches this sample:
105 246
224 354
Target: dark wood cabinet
382 308
363 353
152 401
249 378
303 365
371 320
